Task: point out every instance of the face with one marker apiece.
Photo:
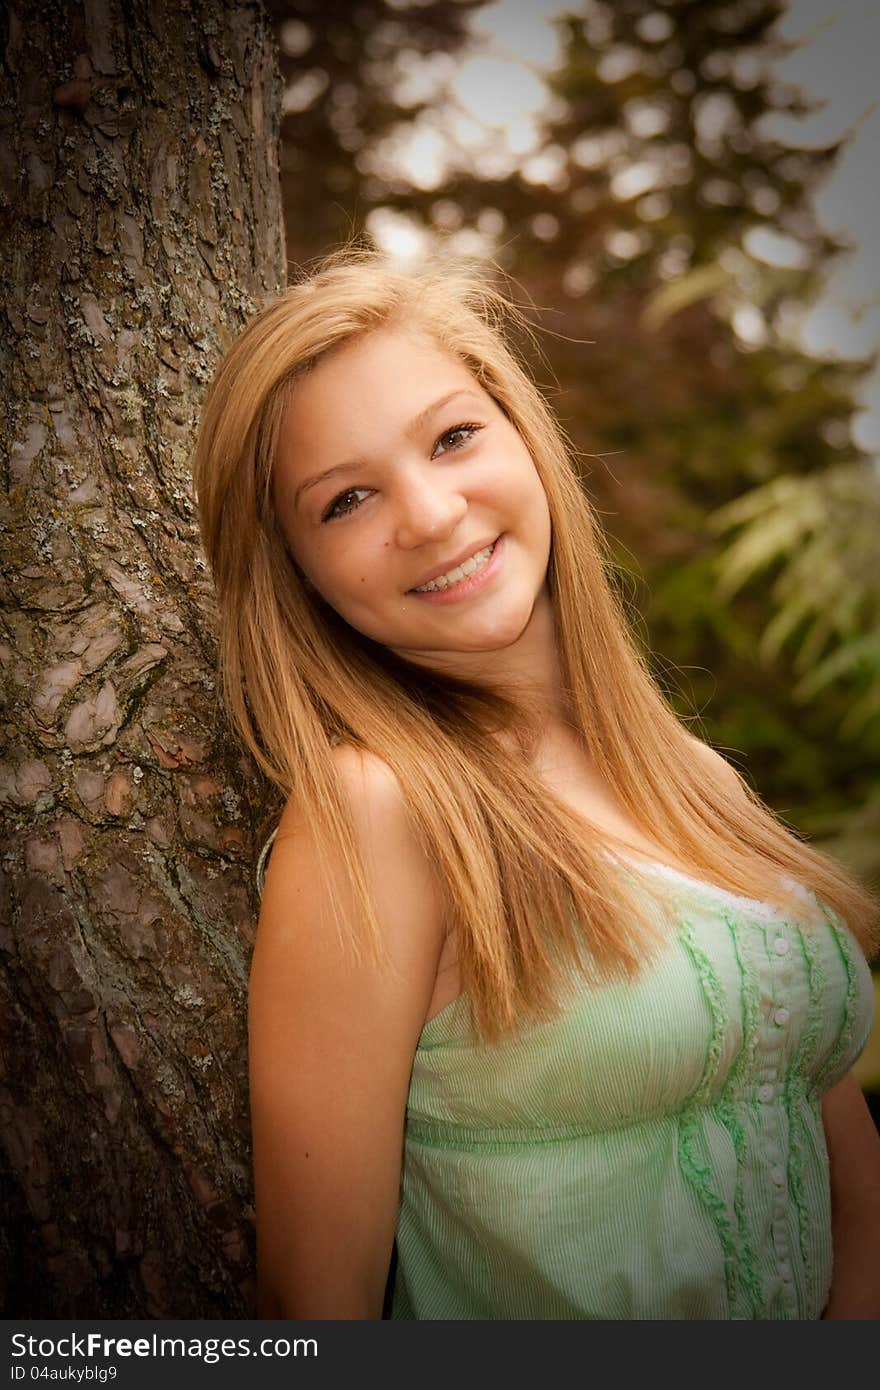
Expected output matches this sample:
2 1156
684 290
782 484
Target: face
395 468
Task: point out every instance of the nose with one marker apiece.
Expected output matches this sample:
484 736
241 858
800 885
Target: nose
426 510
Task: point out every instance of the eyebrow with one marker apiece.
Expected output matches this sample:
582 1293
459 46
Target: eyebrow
411 430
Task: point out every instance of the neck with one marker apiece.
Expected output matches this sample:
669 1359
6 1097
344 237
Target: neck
528 669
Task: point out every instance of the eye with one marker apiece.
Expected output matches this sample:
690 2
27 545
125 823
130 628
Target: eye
333 511
456 438
450 440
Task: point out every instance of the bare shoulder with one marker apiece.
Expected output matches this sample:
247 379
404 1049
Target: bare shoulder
717 766
304 891
386 835
332 1036
372 788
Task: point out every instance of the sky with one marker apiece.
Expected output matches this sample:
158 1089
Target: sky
497 94
837 63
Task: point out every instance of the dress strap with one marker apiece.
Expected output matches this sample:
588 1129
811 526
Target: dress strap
260 874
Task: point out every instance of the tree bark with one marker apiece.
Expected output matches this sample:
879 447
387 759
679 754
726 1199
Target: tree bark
141 224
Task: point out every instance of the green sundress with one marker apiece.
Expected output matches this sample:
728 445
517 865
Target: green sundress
657 1151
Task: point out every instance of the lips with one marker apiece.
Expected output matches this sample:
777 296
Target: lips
451 564
470 586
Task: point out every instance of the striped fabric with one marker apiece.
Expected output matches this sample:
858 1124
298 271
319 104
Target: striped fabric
655 1152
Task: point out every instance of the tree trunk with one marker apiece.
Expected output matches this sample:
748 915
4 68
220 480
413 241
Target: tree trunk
140 226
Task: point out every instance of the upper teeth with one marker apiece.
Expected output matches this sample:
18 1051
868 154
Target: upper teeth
476 562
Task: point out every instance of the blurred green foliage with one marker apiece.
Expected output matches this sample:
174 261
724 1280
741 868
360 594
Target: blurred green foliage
667 241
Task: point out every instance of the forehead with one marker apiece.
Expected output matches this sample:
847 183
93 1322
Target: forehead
379 382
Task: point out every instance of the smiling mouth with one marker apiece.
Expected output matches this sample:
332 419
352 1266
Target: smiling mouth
454 576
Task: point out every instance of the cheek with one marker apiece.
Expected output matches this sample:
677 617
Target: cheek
539 511
329 569
533 493
347 581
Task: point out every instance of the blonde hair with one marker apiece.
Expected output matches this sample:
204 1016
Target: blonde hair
530 891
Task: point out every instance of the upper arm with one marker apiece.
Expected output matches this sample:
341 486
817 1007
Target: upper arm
332 1041
853 1147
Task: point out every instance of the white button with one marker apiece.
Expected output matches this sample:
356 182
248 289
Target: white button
778 1176
780 946
765 1092
785 1273
781 1017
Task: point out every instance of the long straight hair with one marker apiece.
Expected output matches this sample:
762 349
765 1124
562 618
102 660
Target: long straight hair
531 889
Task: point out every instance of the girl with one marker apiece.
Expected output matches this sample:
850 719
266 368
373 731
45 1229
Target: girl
543 997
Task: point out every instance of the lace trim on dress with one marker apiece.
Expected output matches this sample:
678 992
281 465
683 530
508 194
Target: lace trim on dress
843 1046
743 948
741 1269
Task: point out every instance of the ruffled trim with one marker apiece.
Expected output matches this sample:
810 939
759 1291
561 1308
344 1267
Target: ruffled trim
698 888
749 1270
799 1137
714 994
741 1271
750 1005
799 1141
806 1049
697 1171
844 1045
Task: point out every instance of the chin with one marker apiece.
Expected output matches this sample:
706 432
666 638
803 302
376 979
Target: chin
494 636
